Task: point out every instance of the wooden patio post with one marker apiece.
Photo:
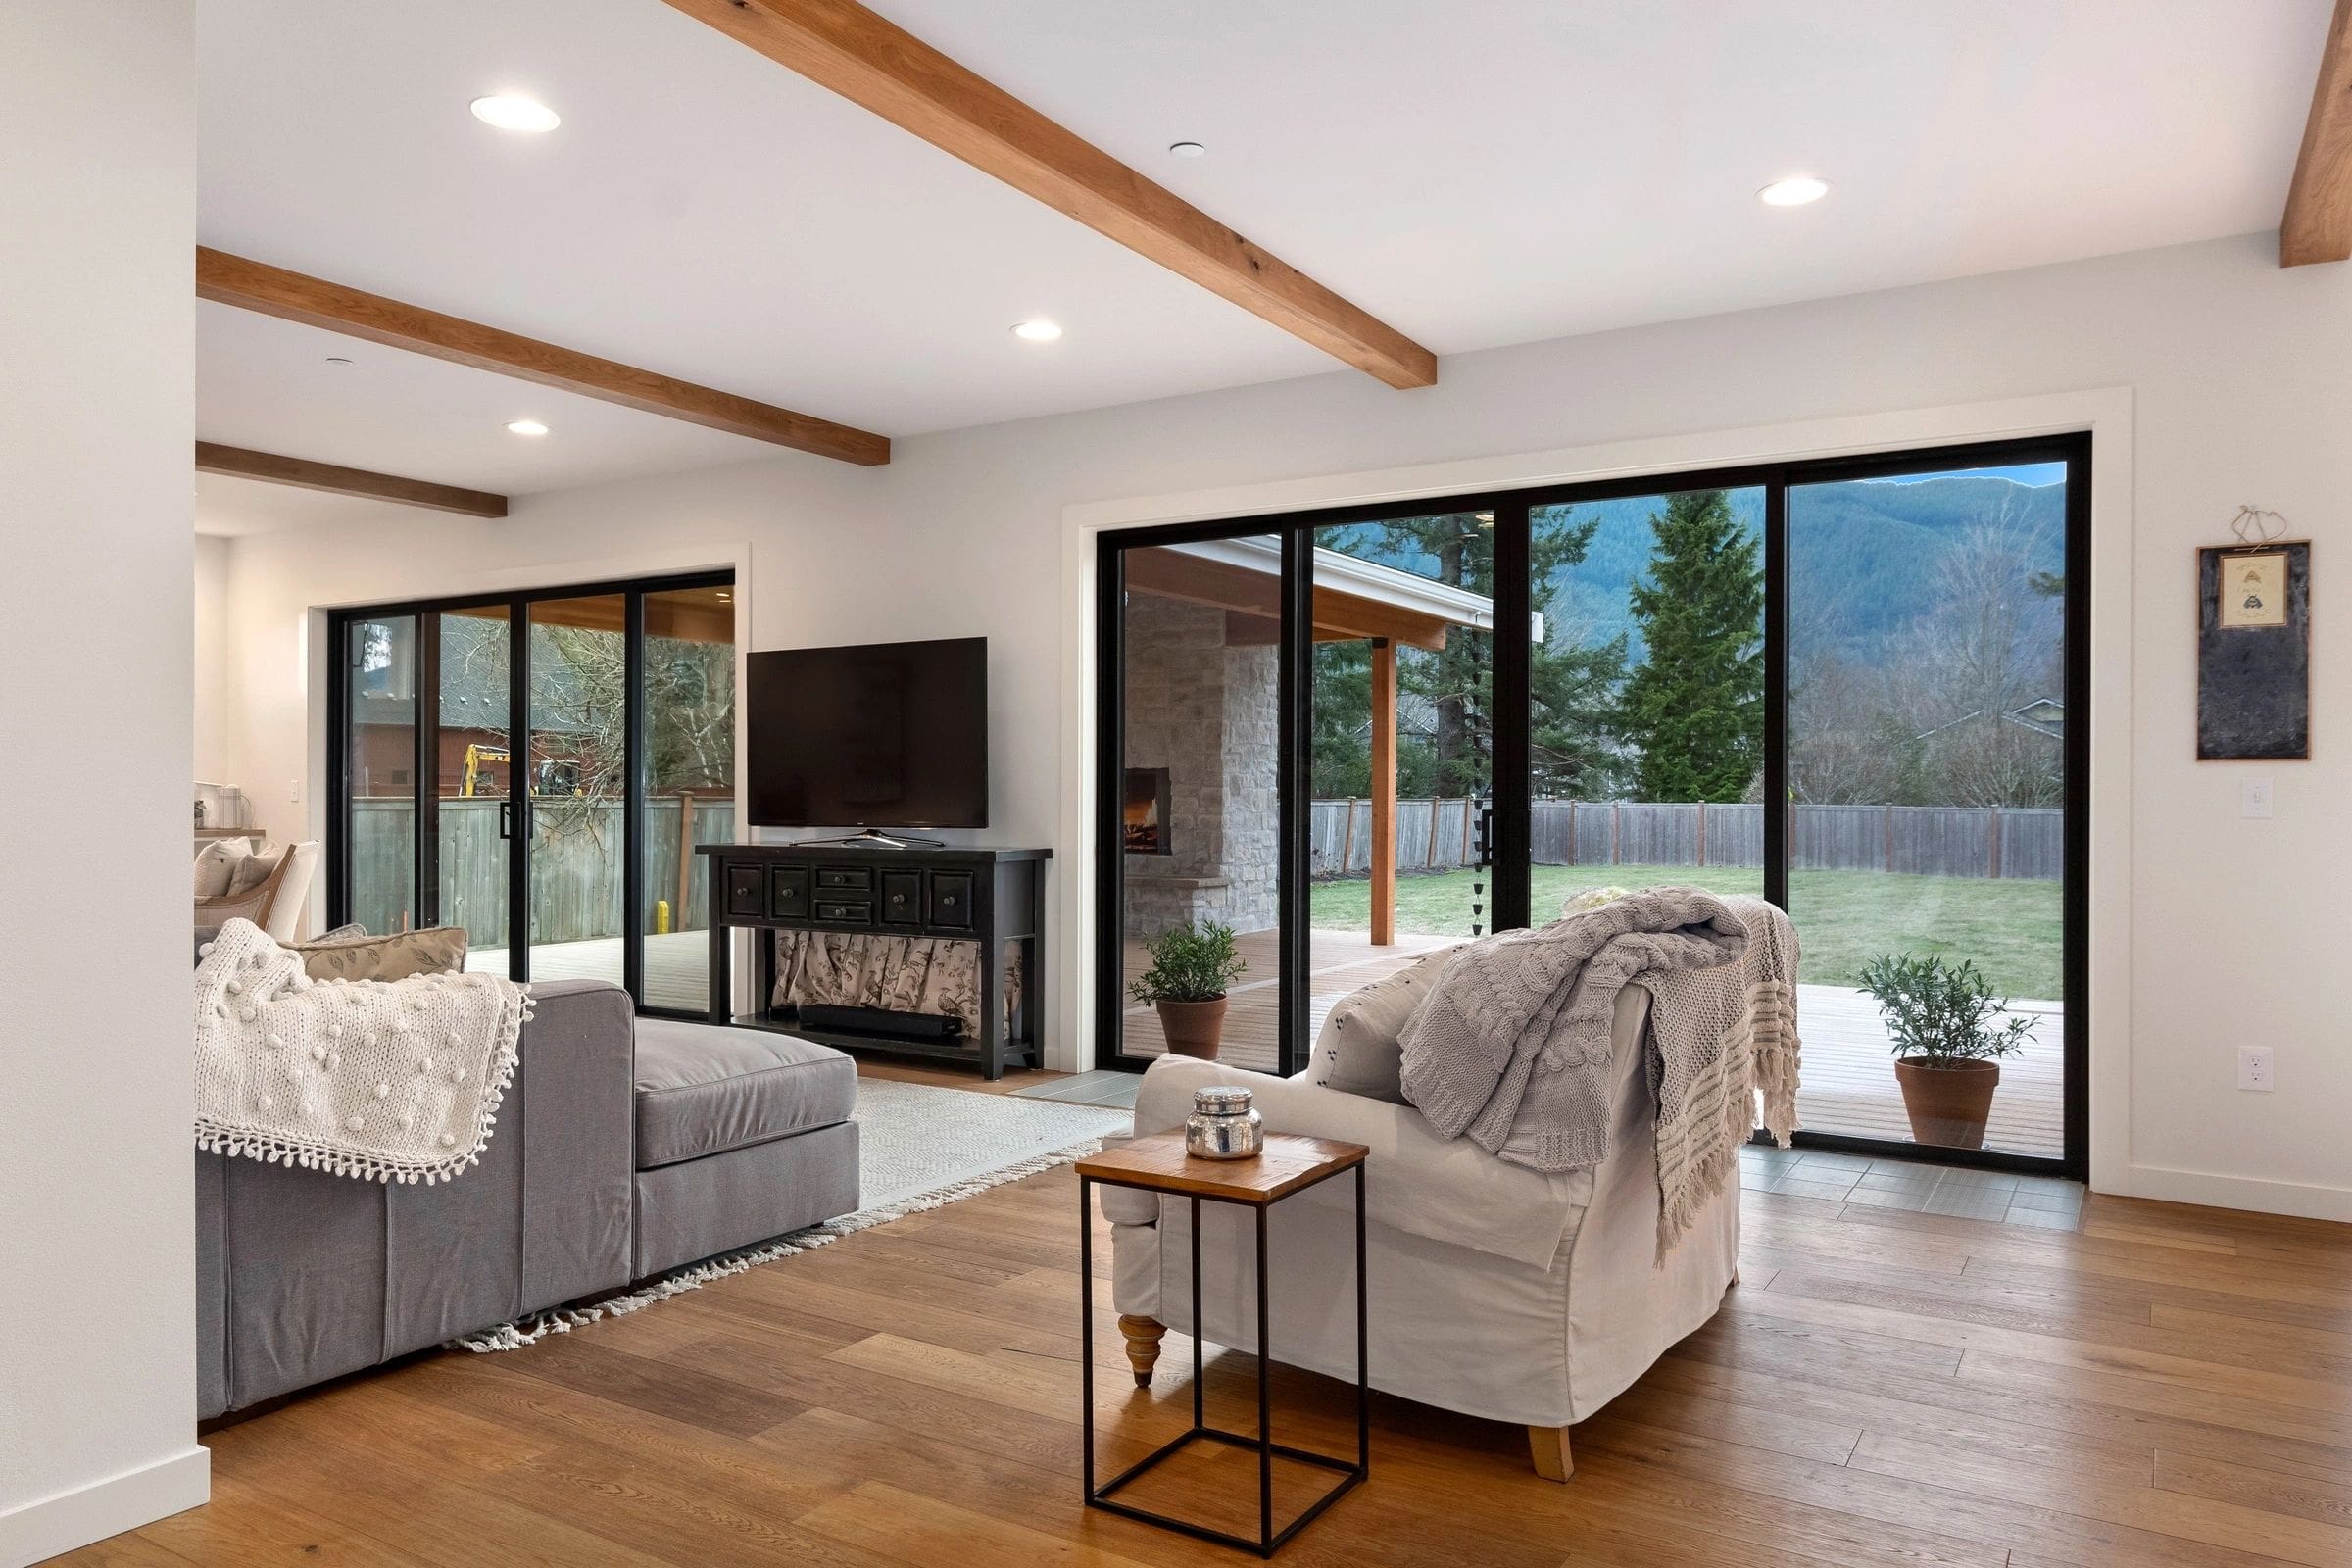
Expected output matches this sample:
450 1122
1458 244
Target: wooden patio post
1384 792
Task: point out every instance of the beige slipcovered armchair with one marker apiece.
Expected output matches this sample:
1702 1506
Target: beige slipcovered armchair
1496 1291
266 886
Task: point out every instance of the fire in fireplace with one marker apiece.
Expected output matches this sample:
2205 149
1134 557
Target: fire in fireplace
1147 812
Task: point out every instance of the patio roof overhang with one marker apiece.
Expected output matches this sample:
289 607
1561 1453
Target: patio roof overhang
1354 600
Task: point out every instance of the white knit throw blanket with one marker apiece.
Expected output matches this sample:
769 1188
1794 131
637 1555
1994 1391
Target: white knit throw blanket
1512 1046
394 1081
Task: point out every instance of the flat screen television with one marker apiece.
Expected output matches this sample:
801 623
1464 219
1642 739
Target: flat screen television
883 735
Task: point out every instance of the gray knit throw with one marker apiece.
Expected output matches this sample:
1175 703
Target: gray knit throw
1511 1047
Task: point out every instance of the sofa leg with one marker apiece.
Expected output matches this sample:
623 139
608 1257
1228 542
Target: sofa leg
1550 1446
1143 1336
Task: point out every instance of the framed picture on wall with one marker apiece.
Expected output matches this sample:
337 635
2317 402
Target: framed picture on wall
2254 652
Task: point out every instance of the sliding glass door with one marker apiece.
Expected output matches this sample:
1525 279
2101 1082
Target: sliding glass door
1198 756
471 795
577 781
537 769
1645 694
1403 754
1927 776
377 746
1854 687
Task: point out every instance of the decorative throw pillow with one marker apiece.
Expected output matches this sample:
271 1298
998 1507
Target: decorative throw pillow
437 950
250 871
216 866
1357 1047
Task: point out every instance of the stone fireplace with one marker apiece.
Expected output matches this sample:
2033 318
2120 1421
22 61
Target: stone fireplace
1144 818
1201 729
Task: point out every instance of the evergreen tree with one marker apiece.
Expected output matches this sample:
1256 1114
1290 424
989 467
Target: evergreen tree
1573 684
1695 707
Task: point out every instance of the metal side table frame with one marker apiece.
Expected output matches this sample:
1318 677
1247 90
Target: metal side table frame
1269 1540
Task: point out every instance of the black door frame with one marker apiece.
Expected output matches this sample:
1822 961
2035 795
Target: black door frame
1510 881
425 848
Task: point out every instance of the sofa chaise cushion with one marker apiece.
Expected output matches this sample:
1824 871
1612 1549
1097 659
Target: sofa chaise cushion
704 1091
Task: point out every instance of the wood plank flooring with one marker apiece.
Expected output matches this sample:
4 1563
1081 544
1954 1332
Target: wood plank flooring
2156 1384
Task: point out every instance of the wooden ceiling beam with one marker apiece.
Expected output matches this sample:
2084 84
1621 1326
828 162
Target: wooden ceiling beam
2318 226
314 301
844 47
304 475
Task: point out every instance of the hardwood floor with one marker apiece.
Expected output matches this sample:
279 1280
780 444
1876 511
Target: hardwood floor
2162 1385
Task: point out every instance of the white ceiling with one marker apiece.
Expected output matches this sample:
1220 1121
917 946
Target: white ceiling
1477 174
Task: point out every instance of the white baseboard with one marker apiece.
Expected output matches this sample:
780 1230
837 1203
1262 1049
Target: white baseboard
2298 1198
51 1525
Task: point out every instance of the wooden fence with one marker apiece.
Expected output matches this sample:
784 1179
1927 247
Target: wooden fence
575 868
1922 840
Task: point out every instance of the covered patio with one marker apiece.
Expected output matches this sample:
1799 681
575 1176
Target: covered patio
1204 621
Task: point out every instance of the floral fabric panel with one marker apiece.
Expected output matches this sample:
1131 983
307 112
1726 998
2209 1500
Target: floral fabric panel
896 975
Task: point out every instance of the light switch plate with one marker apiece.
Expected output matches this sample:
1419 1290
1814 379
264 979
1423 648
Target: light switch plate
2254 797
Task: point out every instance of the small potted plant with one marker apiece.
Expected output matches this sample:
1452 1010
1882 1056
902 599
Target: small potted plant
1191 964
1940 1020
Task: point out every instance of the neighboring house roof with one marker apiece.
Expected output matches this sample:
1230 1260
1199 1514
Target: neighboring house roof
474 676
2043 715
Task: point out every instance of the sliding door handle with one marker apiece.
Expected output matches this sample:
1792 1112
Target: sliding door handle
506 819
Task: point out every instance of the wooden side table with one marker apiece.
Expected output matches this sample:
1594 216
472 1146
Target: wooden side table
1290 1165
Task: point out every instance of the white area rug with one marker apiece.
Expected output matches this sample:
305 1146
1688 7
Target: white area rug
919 1147
915 1139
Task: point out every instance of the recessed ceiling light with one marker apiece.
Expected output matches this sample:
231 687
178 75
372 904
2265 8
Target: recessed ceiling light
525 427
1188 149
1794 191
508 112
1040 330
336 359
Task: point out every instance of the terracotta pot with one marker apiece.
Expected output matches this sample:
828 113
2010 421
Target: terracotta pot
1192 1028
1948 1106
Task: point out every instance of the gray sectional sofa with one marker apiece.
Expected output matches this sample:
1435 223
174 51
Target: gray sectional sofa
625 1147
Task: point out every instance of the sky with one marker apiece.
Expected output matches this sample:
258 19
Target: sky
2027 473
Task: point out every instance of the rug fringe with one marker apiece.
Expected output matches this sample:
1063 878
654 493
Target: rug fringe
531 1328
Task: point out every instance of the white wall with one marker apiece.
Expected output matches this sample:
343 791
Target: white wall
2237 376
215 712
97 1324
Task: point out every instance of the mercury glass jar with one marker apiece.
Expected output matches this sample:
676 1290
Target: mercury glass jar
1223 1124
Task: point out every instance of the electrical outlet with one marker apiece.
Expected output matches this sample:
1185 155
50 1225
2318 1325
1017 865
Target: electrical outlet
2254 1068
2254 797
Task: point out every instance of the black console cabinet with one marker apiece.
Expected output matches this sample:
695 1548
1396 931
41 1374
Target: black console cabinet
996 898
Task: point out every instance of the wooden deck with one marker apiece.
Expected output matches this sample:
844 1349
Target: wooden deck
1848 1068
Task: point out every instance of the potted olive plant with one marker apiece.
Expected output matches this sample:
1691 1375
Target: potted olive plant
1190 967
1939 1019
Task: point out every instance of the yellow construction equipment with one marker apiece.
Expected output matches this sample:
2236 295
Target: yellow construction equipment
475 756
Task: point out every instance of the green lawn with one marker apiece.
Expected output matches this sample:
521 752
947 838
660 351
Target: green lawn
2010 928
